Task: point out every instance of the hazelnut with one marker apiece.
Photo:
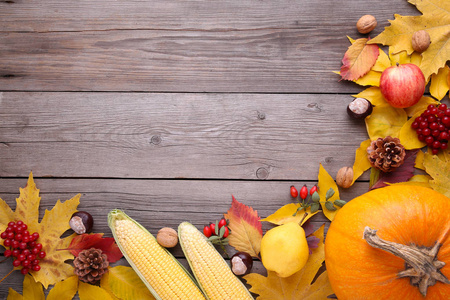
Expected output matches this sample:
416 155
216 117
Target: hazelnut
81 222
359 108
420 41
167 237
366 24
344 177
241 263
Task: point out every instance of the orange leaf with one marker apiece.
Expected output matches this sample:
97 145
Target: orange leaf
246 229
359 59
96 240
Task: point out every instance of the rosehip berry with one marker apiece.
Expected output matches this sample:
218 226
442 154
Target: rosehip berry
26 233
41 254
436 145
23 245
443 136
213 228
435 133
35 235
4 235
294 192
7 243
36 268
304 192
444 146
429 140
35 250
446 121
226 232
19 223
443 106
35 262
9 229
430 106
10 235
38 246
16 263
31 257
26 252
447 112
222 222
207 231
7 253
26 239
421 137
415 125
10 224
21 257
32 244
423 125
313 189
15 252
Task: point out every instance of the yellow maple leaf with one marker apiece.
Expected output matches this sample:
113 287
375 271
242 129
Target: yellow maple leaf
438 167
325 182
32 290
361 163
435 20
285 215
385 121
439 83
64 290
54 223
408 136
88 291
125 284
297 286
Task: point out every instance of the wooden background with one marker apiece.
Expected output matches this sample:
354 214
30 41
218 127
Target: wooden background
166 108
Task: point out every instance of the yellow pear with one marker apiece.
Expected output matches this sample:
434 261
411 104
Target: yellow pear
284 249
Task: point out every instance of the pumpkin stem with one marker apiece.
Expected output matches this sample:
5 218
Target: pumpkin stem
422 265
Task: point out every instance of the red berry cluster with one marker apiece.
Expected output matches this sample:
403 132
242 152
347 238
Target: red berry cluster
433 127
303 191
22 246
210 230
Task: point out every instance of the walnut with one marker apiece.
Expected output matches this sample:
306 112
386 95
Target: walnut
366 24
420 41
167 237
344 177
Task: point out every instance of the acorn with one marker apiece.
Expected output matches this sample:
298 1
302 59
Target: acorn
359 108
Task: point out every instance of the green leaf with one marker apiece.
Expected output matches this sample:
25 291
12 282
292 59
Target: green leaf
339 203
315 207
315 197
374 175
329 205
222 231
329 194
216 228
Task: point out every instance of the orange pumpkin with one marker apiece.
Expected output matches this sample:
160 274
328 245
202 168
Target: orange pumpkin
409 252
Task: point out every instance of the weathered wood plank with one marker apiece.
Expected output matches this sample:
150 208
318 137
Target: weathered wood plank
233 48
54 15
138 135
267 60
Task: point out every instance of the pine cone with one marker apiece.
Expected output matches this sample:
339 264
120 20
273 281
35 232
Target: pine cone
90 265
386 154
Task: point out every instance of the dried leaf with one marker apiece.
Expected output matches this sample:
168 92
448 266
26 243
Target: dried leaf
32 290
87 241
417 180
297 286
245 227
285 215
125 284
371 78
373 94
325 183
64 290
88 291
435 20
52 226
401 174
408 136
420 106
439 85
358 60
385 121
13 295
361 163
419 160
439 169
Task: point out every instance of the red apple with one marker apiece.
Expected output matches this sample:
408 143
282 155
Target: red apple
402 85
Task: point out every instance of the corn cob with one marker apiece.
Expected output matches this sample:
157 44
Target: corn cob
163 275
211 270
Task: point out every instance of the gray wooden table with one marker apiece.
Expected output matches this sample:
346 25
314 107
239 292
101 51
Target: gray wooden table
166 108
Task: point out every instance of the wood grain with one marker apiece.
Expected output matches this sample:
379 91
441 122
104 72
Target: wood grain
233 48
204 136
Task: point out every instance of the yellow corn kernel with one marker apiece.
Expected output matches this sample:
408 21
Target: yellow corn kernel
157 268
211 270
